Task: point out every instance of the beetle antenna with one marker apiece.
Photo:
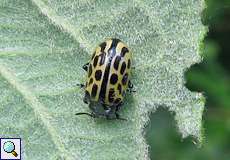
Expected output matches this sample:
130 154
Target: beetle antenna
81 113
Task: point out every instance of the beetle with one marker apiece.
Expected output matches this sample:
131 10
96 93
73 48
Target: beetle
108 79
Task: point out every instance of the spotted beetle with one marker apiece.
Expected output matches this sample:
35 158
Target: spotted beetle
108 79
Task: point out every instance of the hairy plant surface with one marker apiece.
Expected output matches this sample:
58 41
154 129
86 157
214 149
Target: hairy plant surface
43 45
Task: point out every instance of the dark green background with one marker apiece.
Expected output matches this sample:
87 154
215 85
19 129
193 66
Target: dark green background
212 78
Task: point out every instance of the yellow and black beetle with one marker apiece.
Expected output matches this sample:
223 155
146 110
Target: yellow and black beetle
108 79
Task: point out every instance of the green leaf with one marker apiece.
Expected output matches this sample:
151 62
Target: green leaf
43 45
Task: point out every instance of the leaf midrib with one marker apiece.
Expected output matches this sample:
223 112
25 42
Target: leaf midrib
77 34
63 24
43 114
38 108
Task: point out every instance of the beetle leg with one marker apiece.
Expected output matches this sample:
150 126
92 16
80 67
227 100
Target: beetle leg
118 107
85 66
130 87
86 99
81 85
118 117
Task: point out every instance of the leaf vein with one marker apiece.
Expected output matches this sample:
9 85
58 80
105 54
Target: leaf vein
63 24
39 108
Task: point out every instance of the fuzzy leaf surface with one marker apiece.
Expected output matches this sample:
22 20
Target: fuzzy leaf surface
43 45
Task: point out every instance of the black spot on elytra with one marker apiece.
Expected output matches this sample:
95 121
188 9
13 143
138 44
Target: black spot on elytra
123 67
125 79
117 62
102 58
90 70
103 45
94 53
94 90
95 61
87 94
98 74
113 78
124 50
119 88
112 49
117 101
111 54
129 63
86 98
111 95
91 81
115 41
